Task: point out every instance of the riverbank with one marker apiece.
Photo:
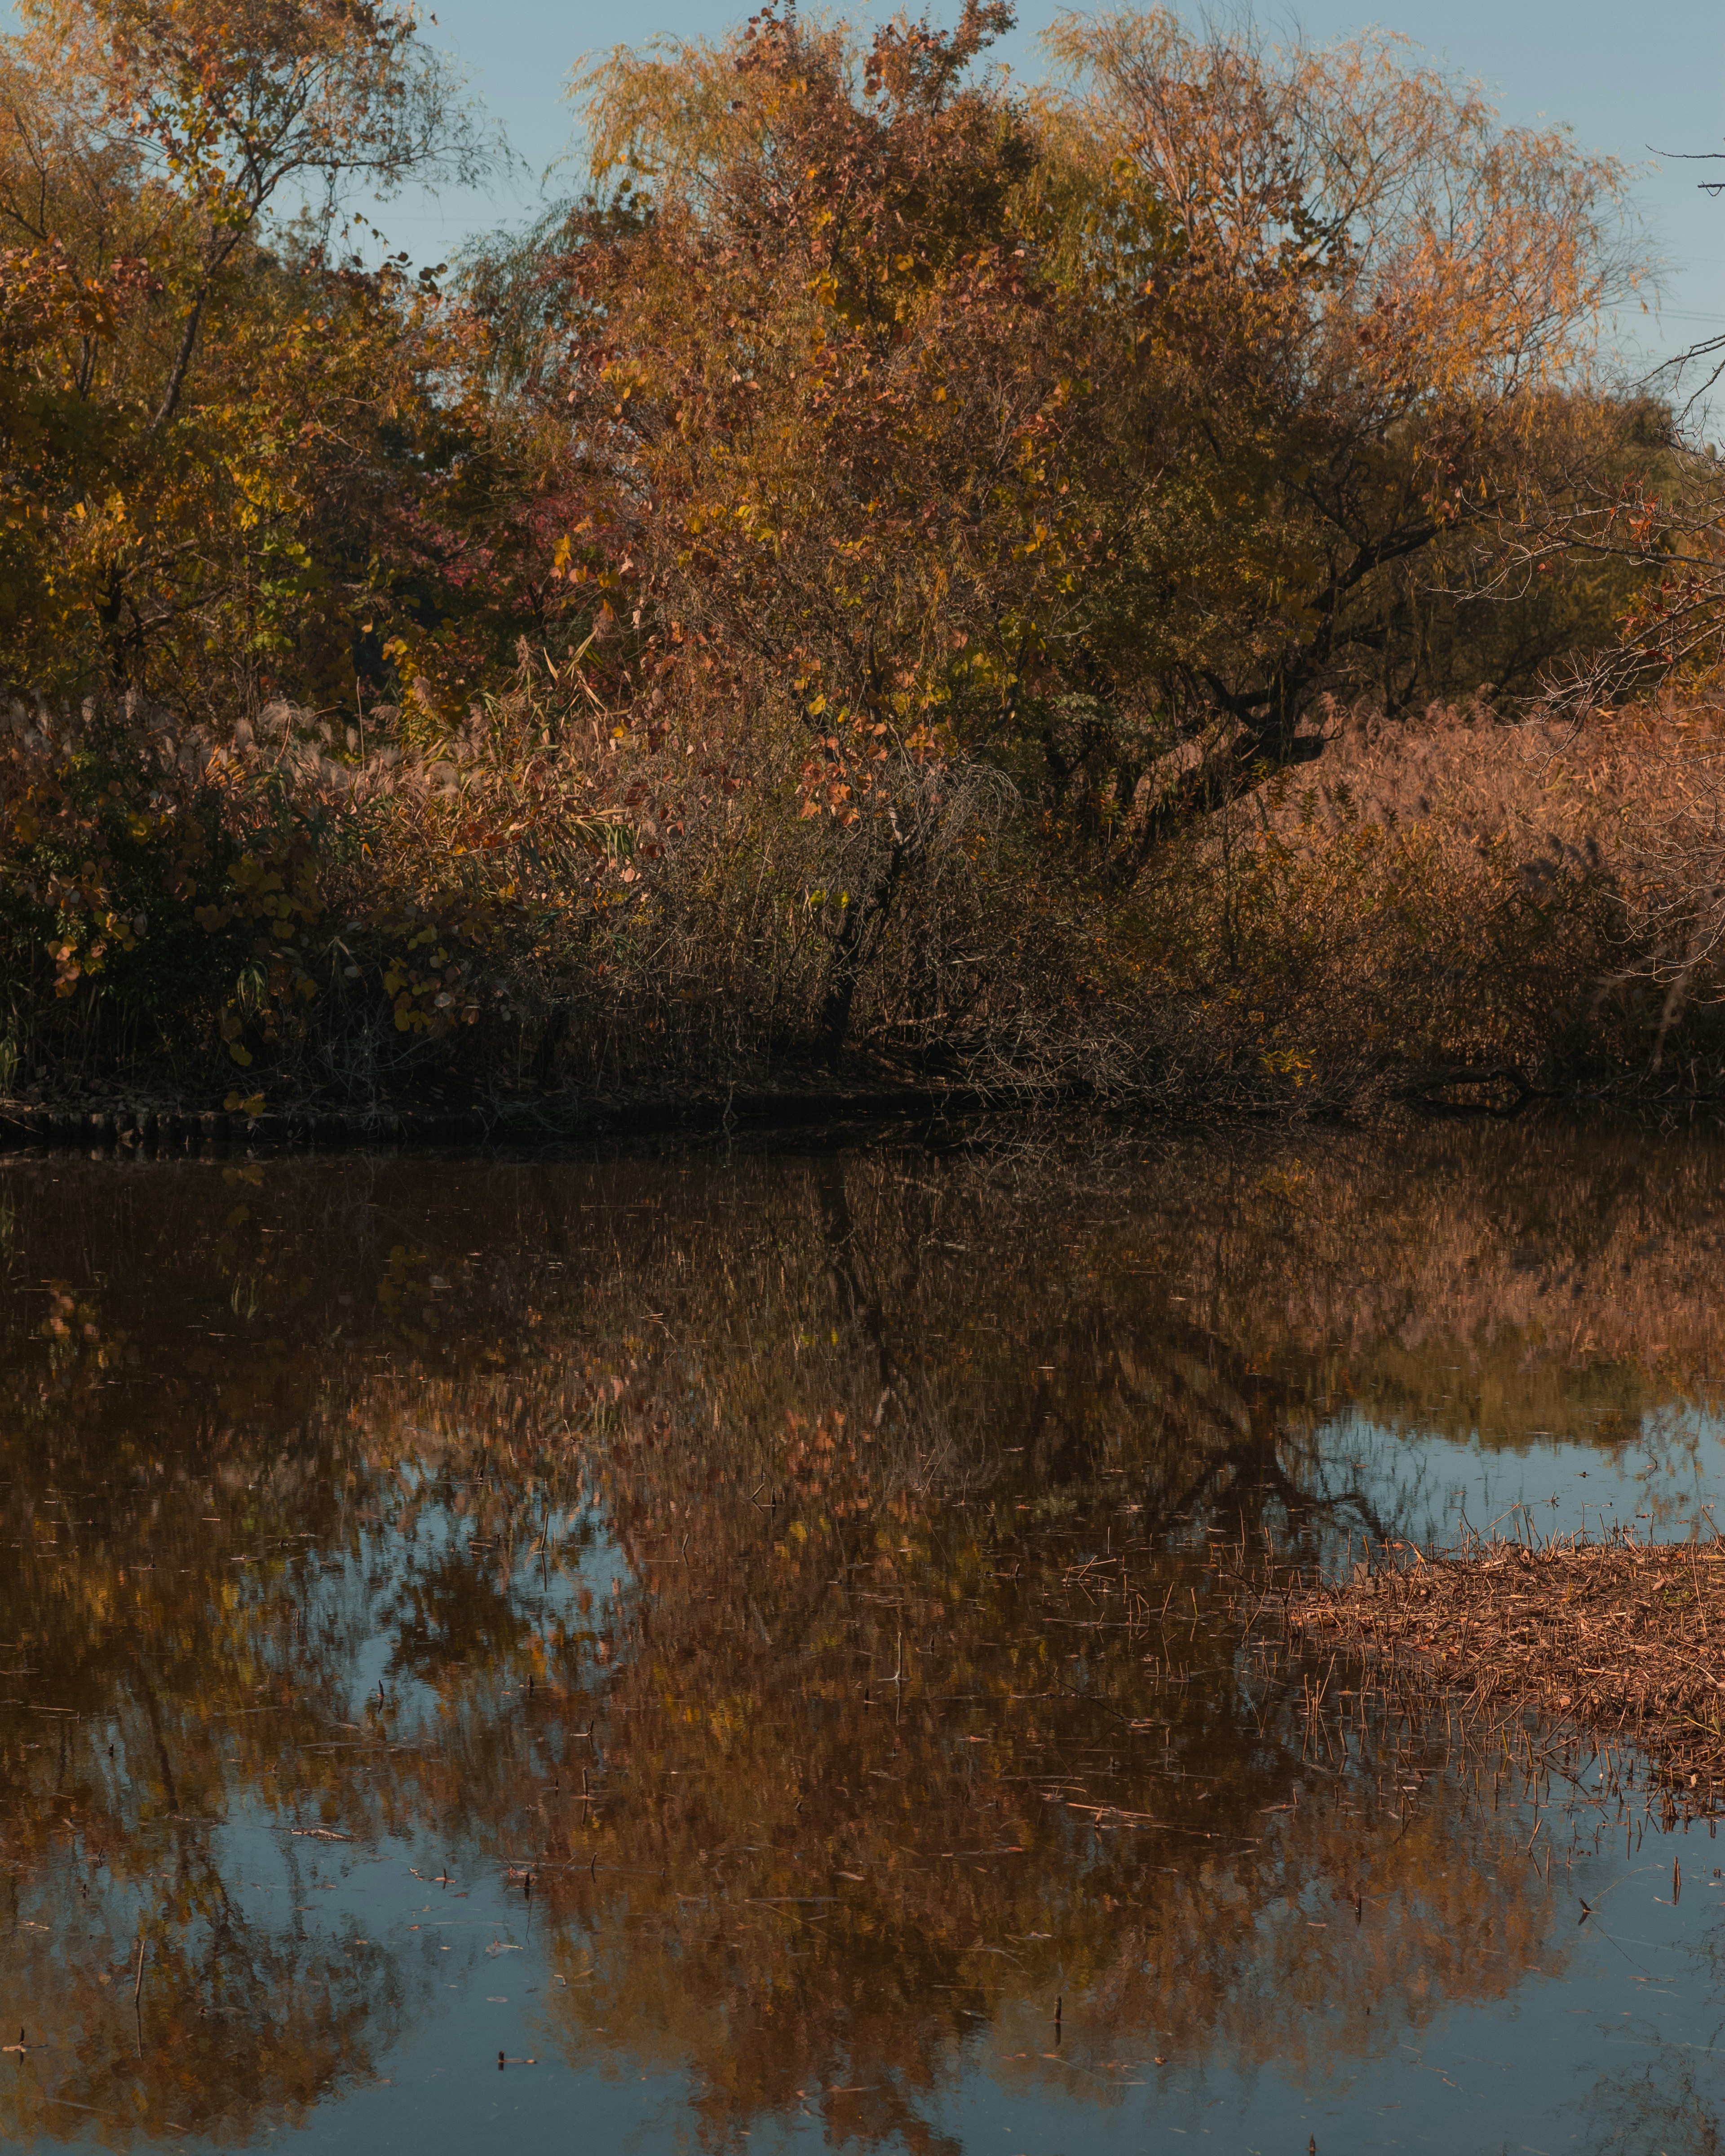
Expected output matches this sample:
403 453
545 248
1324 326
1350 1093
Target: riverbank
1359 1099
140 1128
1623 1641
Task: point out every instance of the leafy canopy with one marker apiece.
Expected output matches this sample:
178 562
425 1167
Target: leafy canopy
1091 432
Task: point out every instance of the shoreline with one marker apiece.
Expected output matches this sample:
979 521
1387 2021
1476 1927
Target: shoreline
1488 1092
143 1129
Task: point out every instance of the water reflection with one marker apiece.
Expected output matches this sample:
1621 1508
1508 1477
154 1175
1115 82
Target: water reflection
784 1607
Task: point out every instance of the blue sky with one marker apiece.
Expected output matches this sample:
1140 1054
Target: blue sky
1634 81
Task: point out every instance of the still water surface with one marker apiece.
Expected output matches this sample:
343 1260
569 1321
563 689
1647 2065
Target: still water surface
722 1650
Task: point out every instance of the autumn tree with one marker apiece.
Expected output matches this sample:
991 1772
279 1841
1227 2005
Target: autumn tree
797 322
253 461
1370 318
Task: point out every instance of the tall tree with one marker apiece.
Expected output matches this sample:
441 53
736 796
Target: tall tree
234 405
1371 322
1089 434
1085 436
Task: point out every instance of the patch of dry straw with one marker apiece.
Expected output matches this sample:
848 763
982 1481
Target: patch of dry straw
1624 1641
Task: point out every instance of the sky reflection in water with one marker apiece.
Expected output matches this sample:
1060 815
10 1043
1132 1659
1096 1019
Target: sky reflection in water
803 1569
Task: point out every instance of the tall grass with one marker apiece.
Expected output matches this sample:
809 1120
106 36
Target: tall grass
1456 891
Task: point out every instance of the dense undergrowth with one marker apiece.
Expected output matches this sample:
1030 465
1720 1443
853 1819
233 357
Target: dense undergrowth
549 900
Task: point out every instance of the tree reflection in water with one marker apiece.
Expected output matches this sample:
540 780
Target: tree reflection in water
822 1575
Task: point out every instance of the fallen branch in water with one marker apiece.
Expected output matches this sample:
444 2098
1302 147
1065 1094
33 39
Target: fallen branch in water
1624 1641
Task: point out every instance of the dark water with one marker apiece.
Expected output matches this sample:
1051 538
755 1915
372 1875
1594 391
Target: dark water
759 1641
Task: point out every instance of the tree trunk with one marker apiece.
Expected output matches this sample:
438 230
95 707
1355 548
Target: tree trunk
851 947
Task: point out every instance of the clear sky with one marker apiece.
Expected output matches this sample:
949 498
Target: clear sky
1634 80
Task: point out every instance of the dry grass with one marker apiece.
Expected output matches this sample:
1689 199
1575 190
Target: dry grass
1458 891
1621 1639
1542 787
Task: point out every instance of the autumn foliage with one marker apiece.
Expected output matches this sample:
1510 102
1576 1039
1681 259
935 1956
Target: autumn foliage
813 597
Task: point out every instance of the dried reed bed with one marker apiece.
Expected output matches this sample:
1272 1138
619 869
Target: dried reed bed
1547 786
1637 796
1621 1640
1456 891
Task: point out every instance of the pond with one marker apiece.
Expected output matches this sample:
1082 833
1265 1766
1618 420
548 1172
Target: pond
775 1647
